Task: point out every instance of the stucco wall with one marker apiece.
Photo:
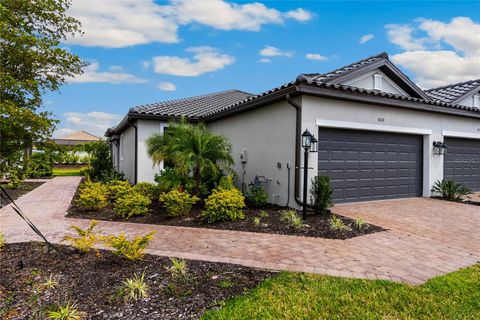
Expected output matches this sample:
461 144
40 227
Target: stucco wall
268 136
314 108
127 154
467 101
146 169
366 81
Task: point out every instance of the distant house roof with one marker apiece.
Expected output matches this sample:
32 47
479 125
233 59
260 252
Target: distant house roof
195 107
77 138
454 92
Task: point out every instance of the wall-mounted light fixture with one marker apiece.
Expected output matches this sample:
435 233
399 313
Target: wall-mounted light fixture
439 148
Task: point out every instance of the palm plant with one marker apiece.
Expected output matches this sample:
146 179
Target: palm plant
450 190
192 149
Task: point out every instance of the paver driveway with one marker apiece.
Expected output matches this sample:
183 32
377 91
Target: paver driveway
425 237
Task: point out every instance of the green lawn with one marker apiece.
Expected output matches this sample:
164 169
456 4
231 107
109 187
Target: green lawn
67 171
302 296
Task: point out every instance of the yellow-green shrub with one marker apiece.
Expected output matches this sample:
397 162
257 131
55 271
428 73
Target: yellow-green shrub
2 240
130 249
147 189
86 239
118 188
224 205
93 195
132 204
178 203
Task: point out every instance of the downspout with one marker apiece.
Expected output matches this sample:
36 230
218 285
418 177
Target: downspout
135 176
298 133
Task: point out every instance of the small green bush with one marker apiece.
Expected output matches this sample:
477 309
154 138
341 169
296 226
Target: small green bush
132 204
2 240
337 224
65 312
85 240
93 196
256 195
178 203
291 218
178 268
130 249
118 188
321 194
40 164
224 205
359 223
135 288
147 189
449 190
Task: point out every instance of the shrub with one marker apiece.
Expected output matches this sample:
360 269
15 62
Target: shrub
168 179
66 312
146 189
256 195
224 205
291 218
132 204
135 288
263 214
337 224
449 190
178 203
256 221
86 239
321 194
14 178
93 195
40 164
101 165
178 268
118 188
359 223
130 249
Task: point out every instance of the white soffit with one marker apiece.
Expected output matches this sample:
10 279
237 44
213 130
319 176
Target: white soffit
370 127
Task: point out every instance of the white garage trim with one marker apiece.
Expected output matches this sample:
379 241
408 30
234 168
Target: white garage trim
370 127
458 134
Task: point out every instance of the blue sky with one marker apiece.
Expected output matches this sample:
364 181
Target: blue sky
144 51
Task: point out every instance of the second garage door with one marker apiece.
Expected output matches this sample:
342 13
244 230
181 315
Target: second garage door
367 165
462 162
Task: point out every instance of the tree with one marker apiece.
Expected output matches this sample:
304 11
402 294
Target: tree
31 64
192 149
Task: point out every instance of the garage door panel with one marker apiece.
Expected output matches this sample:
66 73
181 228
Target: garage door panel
366 165
461 163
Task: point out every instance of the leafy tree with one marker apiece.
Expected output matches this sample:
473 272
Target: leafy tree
32 63
192 149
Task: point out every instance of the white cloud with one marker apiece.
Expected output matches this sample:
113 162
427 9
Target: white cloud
401 35
270 51
365 38
205 59
433 63
265 60
95 122
92 74
315 56
299 14
146 65
118 24
167 86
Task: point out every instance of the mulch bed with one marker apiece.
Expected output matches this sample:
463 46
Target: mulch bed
93 283
25 187
315 225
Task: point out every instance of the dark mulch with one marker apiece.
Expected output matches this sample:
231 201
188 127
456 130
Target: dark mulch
93 284
25 187
315 225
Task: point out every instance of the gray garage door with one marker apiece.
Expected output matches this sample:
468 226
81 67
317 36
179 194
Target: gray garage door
461 163
367 165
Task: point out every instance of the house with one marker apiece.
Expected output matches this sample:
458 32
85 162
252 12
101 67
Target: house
379 135
77 137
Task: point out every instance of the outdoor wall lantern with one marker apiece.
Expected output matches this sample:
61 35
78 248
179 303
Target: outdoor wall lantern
309 144
439 148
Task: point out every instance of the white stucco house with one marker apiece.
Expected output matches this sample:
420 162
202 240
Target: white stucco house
375 128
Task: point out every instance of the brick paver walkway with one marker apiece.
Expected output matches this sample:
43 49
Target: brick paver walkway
425 237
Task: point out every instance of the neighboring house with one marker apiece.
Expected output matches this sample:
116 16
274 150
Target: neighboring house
375 127
77 137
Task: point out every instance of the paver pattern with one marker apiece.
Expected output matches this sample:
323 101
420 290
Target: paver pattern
425 237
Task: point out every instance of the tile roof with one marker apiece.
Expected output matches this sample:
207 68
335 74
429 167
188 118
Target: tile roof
451 93
193 107
332 75
80 136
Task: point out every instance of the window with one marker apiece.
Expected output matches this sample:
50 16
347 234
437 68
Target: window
476 100
377 82
121 147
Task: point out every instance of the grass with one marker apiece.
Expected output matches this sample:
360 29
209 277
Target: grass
304 296
58 172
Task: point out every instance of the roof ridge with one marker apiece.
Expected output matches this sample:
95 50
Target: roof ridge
452 85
